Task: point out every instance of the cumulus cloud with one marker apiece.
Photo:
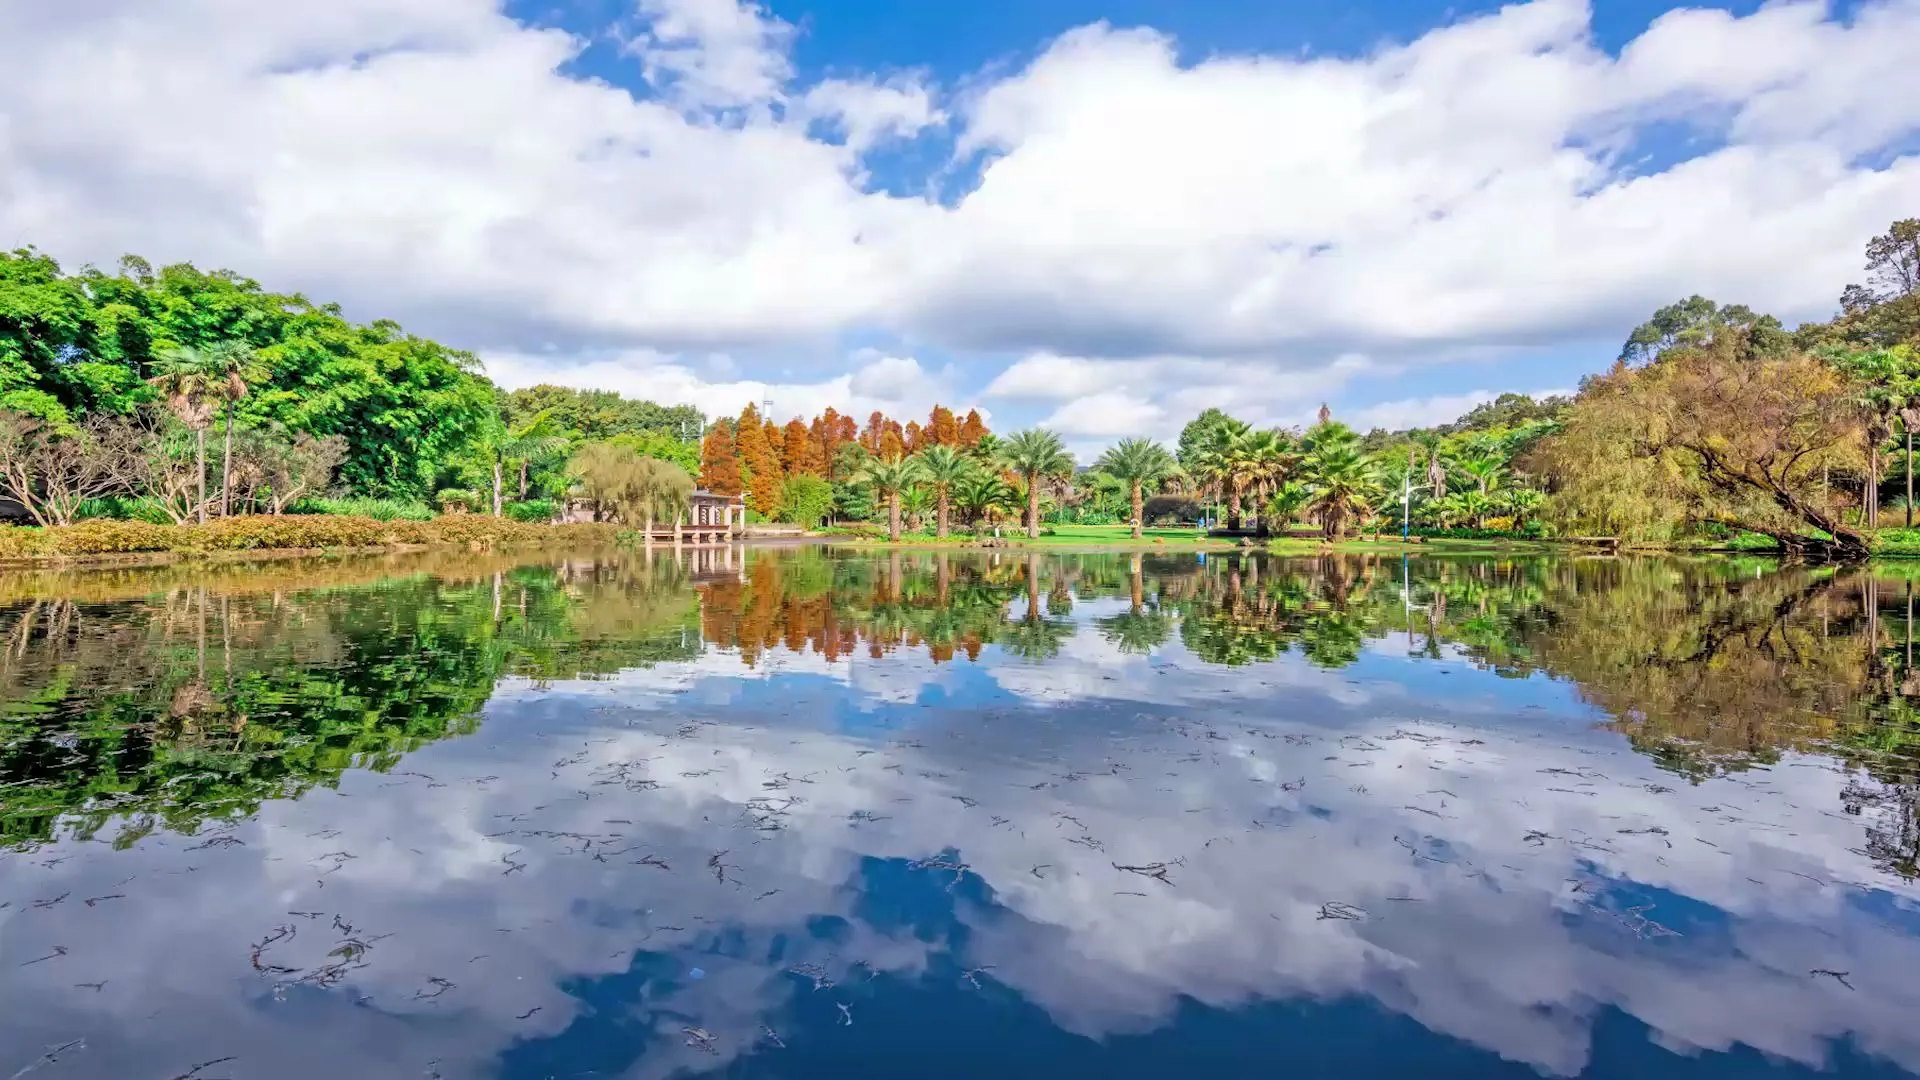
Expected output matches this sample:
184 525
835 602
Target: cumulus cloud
896 385
1498 181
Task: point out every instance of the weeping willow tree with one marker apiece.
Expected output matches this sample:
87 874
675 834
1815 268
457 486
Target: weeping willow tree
630 487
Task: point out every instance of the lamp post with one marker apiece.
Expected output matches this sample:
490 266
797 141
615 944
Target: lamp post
1406 507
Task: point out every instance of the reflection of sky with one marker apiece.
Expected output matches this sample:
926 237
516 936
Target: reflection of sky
1379 870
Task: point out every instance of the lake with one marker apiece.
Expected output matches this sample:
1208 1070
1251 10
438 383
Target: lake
812 813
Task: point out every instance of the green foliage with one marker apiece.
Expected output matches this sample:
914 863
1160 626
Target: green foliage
660 445
1201 434
605 416
366 507
456 500
103 536
623 484
532 510
805 500
124 508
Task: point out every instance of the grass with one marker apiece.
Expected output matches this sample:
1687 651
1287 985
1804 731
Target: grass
1081 536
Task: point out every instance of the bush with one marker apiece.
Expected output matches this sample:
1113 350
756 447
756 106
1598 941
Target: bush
122 508
104 536
456 500
357 506
533 510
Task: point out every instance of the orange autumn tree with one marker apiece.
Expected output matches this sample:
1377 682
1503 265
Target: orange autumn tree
942 429
972 428
798 454
720 460
761 464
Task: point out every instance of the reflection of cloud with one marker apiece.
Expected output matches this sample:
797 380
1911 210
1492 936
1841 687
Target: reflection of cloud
1476 846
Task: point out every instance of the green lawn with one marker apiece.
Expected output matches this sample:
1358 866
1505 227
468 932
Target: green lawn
1072 536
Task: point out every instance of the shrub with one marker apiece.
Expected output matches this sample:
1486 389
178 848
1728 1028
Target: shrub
358 506
533 510
456 500
123 508
104 536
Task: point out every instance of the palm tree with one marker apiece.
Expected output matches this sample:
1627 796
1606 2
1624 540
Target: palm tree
499 444
944 468
1436 472
914 503
1287 502
889 477
981 495
540 436
1216 467
190 379
1342 482
1256 460
1486 470
1036 454
1139 463
234 364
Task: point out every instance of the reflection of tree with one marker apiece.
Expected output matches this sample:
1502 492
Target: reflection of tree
191 705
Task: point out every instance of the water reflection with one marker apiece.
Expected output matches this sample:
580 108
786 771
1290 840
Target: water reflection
804 813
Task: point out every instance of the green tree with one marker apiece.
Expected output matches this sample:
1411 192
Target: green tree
1200 435
890 478
806 500
190 380
982 495
1036 454
944 467
1140 464
1342 482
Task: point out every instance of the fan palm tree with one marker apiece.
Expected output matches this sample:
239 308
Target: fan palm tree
1138 463
944 469
889 478
1341 481
1036 454
190 380
1256 460
235 364
1286 503
1215 467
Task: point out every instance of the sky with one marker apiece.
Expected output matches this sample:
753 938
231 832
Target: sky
1098 215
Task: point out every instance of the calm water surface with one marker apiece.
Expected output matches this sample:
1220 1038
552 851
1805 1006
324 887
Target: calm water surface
815 814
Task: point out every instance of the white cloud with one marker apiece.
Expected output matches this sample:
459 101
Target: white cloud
896 385
1481 185
714 53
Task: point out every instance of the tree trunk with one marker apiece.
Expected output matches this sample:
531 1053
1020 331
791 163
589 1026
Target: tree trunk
226 465
1233 509
1909 477
496 488
1139 509
1033 507
523 479
940 515
200 458
1136 585
893 517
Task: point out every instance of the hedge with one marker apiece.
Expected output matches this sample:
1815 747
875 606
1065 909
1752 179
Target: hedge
291 532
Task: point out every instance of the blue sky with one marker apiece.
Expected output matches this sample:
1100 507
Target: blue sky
1103 215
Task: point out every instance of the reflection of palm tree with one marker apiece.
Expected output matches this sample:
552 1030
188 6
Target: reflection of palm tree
1035 638
1137 631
